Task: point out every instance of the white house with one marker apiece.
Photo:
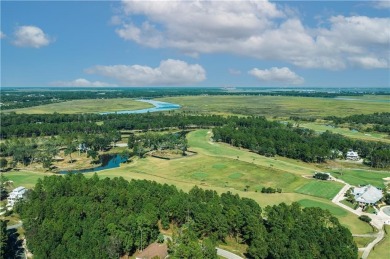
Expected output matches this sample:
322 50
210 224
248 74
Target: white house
367 195
16 195
352 155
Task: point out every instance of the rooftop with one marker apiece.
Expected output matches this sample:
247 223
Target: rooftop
367 194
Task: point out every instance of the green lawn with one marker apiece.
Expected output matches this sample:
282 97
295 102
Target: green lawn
361 177
323 189
363 241
345 202
86 106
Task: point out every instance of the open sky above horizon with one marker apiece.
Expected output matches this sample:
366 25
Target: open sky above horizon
195 43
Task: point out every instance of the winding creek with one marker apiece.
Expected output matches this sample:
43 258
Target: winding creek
158 107
107 162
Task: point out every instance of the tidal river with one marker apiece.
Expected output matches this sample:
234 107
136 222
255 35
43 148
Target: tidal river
158 107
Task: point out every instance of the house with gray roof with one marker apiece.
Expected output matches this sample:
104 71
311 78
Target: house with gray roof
367 195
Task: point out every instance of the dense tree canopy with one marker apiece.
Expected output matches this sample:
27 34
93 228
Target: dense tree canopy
64 217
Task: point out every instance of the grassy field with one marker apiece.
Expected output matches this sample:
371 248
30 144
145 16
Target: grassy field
86 106
27 179
361 177
381 250
324 189
280 106
320 127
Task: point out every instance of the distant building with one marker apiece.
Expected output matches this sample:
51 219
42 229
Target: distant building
352 155
367 195
15 195
154 250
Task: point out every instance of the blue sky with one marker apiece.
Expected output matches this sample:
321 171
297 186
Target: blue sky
195 43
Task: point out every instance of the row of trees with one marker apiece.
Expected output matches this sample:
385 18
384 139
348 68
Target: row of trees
21 125
273 138
381 118
65 216
379 122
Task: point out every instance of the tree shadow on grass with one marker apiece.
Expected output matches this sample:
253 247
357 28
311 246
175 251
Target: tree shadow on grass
15 247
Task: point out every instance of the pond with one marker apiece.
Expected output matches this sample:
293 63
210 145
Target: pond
158 107
107 162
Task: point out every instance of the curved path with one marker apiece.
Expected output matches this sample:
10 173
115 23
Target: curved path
370 246
227 254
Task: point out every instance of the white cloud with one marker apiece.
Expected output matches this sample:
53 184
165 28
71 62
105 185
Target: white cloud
369 62
115 20
169 72
31 36
234 72
277 75
382 4
255 28
81 82
2 35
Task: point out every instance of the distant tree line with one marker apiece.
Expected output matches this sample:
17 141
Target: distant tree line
23 125
14 99
380 121
271 138
264 137
70 216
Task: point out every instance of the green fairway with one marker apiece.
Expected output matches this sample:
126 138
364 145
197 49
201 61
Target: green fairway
25 178
200 140
86 106
280 106
323 189
335 210
361 177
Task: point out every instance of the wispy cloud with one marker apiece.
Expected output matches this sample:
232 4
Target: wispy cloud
277 75
169 72
81 82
